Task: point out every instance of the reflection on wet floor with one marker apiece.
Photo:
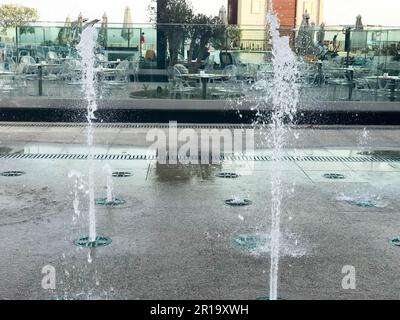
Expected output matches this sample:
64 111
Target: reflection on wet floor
175 224
382 153
5 150
186 172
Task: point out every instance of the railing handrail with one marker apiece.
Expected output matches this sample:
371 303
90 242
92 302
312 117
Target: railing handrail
61 24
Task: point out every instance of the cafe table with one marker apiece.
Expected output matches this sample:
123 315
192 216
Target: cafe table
40 67
204 79
391 79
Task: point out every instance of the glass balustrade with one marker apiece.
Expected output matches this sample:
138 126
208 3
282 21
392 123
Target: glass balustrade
210 62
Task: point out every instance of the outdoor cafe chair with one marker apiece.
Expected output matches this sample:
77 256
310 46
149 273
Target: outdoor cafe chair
52 57
17 79
336 79
178 85
28 65
229 85
375 87
366 88
117 77
134 70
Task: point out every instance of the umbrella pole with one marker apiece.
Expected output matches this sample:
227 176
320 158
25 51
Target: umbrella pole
16 43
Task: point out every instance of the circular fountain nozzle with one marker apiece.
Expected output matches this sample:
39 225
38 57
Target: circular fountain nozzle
12 173
266 298
98 242
228 175
114 202
237 202
249 242
395 242
334 176
121 174
367 203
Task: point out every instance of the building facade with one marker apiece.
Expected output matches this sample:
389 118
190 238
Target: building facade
250 16
253 12
290 12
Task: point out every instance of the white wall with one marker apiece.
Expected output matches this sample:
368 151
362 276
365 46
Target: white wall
251 12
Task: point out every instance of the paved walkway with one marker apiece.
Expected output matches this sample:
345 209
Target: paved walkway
175 238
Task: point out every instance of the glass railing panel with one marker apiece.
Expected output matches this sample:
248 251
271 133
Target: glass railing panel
326 73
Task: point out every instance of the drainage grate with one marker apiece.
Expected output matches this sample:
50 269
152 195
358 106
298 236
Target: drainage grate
237 202
228 175
114 202
334 176
129 125
382 153
121 174
99 242
249 242
12 173
83 156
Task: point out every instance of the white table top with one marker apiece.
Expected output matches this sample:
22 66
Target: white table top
106 69
340 68
395 78
204 76
46 65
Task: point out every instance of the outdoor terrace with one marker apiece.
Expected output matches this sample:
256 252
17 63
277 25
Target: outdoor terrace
39 64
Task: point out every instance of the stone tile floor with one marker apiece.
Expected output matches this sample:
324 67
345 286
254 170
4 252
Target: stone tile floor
174 238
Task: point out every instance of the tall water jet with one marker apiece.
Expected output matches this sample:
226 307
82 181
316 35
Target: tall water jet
283 100
85 49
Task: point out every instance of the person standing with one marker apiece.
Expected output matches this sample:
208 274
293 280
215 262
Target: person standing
142 41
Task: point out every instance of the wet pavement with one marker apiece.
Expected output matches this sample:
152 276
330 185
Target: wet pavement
175 237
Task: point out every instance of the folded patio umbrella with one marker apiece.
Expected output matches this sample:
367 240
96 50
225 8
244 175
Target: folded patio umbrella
79 25
222 15
359 24
64 36
359 37
126 31
103 34
321 33
304 39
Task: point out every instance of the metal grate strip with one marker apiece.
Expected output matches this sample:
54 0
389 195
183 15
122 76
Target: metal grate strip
125 125
66 156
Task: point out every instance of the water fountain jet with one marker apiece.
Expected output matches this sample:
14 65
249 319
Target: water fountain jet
86 51
110 200
283 100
